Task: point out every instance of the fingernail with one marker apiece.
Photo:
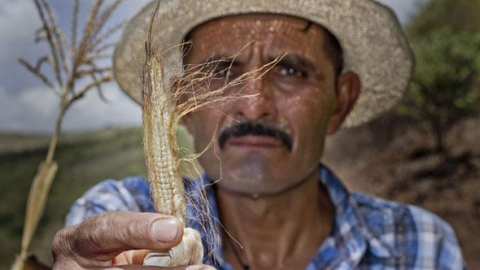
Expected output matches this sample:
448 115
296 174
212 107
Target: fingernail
165 230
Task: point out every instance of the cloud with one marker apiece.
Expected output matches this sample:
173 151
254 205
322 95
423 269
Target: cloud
35 111
30 111
18 22
27 106
93 113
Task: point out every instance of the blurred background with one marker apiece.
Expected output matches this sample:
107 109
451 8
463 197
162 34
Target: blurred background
425 152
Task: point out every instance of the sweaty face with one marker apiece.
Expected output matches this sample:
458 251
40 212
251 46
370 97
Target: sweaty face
271 137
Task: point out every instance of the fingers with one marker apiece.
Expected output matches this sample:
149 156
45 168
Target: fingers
116 232
131 267
98 240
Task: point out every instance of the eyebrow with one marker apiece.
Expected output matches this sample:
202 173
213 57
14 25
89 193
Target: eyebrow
294 60
287 60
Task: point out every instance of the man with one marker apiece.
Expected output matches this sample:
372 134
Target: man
340 63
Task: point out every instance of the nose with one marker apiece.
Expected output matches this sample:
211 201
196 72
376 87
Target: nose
257 100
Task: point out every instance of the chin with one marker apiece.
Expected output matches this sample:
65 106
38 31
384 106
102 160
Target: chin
255 173
254 179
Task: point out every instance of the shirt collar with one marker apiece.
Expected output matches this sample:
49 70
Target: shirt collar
349 240
350 224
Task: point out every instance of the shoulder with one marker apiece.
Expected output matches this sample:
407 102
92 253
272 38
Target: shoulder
131 194
420 237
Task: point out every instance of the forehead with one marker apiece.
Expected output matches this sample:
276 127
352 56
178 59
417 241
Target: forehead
278 33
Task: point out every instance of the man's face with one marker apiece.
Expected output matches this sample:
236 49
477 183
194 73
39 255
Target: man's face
271 137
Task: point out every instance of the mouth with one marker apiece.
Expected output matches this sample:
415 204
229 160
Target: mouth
254 141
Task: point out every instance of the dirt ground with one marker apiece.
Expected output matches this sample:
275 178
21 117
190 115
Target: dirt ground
392 160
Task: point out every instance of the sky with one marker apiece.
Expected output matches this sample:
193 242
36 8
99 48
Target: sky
27 106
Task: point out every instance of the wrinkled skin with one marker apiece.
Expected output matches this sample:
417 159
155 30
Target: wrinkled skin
116 241
298 96
268 194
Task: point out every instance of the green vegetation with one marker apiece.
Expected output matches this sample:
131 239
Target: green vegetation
84 159
459 15
445 89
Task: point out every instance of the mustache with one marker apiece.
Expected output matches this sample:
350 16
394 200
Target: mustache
256 129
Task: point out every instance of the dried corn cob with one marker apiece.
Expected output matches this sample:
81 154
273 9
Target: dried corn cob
160 145
160 125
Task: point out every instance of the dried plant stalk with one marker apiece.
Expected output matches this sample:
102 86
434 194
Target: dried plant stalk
74 74
162 161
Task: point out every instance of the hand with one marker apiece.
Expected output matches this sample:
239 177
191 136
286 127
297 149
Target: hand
117 241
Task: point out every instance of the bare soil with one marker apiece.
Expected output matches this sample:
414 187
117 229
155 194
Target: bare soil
392 159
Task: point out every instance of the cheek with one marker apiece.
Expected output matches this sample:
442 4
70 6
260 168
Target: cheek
308 110
309 116
206 125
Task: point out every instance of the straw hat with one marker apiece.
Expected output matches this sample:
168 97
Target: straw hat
373 43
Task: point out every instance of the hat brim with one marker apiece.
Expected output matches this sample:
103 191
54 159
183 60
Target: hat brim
371 37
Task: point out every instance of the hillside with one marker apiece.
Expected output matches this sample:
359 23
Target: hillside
391 159
84 159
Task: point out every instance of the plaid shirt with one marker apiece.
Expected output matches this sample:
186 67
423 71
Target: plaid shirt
368 233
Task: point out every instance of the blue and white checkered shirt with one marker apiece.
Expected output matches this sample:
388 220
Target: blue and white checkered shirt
368 233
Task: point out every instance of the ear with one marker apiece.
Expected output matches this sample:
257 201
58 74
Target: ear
348 91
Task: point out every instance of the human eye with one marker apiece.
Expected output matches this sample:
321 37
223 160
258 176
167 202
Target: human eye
225 73
287 71
220 73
